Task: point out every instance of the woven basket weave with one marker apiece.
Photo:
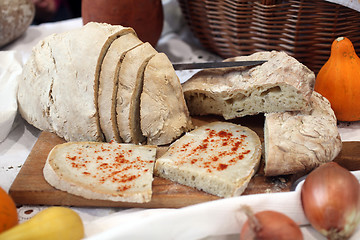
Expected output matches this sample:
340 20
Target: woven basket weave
303 29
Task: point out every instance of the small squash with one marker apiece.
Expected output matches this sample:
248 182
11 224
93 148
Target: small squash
51 223
339 80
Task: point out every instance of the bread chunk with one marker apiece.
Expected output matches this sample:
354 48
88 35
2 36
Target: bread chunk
59 87
129 90
219 158
108 84
163 111
281 84
16 16
299 142
35 86
106 171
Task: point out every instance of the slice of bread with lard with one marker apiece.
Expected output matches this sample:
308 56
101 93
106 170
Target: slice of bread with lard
219 158
103 171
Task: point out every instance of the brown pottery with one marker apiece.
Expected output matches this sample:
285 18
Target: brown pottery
145 16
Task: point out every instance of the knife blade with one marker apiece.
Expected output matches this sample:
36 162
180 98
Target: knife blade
204 65
297 182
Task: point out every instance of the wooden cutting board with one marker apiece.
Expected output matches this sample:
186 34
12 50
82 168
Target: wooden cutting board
30 187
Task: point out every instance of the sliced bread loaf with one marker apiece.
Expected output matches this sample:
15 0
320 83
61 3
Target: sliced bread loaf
129 90
107 171
299 142
108 84
163 112
58 90
280 84
219 158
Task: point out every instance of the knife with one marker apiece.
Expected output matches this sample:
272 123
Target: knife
297 182
204 65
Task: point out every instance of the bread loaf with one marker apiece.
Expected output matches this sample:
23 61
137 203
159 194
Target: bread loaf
298 142
106 171
281 84
15 18
163 112
219 158
59 88
89 88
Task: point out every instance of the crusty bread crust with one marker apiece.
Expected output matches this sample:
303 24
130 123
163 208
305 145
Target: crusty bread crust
105 171
298 142
163 111
219 158
281 84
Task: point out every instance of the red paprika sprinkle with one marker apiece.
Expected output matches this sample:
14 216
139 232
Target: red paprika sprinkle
199 152
222 167
72 158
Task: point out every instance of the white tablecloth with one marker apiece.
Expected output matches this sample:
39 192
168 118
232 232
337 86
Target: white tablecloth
217 220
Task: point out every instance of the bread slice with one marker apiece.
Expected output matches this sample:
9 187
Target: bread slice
58 90
281 84
163 111
106 171
108 84
299 142
219 158
129 91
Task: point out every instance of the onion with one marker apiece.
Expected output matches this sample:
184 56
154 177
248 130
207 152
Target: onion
267 225
331 201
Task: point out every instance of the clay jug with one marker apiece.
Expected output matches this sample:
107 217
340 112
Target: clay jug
145 16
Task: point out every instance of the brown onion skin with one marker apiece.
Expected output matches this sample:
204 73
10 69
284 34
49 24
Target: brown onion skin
273 226
330 198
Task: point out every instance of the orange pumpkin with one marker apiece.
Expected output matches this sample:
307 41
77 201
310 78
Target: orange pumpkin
8 212
339 80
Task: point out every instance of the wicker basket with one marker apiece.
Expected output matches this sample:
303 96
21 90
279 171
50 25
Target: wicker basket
303 29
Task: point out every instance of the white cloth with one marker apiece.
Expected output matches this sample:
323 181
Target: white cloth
216 218
212 219
349 131
10 70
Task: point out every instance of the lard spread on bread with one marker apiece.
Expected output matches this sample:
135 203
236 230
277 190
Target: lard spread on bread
106 171
219 158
